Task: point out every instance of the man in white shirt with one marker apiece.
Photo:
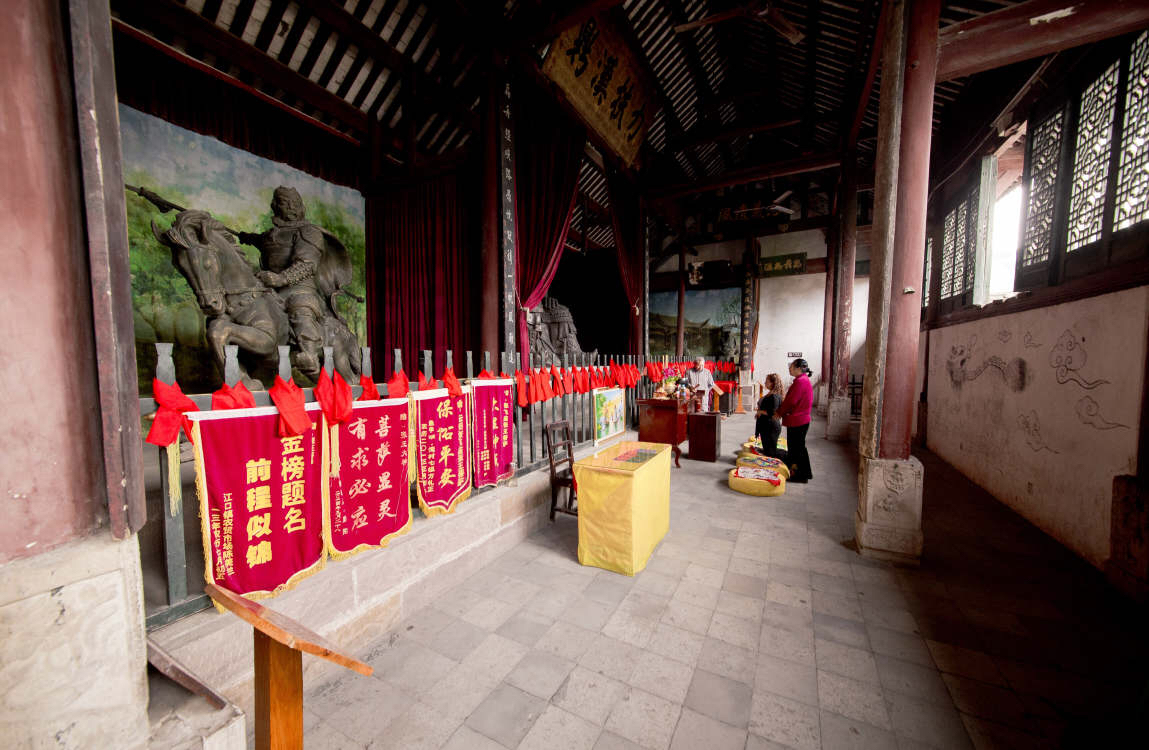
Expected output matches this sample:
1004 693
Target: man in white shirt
701 381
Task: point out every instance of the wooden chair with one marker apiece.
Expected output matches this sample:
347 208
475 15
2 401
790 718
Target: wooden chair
556 437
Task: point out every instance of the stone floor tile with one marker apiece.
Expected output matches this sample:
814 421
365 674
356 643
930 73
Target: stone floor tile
841 630
457 601
466 738
986 735
323 736
735 630
644 718
791 644
838 605
611 741
628 628
696 594
753 568
608 590
744 585
587 613
557 729
855 663
420 727
857 700
553 602
787 678
515 591
644 604
589 694
687 616
675 643
495 656
721 546
457 640
912 679
939 726
662 676
904 646
704 575
525 627
566 640
610 657
420 670
667 566
656 583
851 734
831 568
368 708
791 596
789 618
540 673
746 607
720 698
986 701
506 715
728 660
894 619
791 576
754 742
965 663
696 731
425 625
832 584
785 721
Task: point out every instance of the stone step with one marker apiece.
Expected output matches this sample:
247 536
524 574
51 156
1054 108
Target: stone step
180 720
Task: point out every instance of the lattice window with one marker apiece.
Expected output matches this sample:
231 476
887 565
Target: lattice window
926 273
1132 204
1045 152
970 239
948 236
1091 159
961 237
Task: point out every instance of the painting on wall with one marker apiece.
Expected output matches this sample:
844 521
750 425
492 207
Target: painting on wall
712 320
236 187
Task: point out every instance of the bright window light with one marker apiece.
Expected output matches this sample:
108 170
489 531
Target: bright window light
1003 243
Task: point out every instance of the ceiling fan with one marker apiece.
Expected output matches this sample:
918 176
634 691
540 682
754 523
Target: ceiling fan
774 207
762 12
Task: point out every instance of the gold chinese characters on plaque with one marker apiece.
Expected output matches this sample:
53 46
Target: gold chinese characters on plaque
601 77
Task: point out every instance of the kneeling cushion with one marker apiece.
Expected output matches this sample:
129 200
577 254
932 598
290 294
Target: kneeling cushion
755 461
758 482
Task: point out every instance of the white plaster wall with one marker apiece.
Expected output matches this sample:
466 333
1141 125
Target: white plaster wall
812 242
790 312
1049 451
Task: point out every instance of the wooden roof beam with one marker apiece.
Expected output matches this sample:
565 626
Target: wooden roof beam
783 168
1033 29
229 48
575 15
348 27
729 133
853 124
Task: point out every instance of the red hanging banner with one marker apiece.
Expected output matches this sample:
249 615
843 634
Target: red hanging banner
368 500
442 449
492 430
261 500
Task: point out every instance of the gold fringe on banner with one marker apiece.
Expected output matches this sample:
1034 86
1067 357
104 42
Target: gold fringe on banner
332 448
175 486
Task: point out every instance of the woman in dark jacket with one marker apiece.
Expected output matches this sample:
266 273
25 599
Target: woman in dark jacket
767 427
795 415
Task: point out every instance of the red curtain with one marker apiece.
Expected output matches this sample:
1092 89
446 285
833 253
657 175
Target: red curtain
627 218
422 254
548 155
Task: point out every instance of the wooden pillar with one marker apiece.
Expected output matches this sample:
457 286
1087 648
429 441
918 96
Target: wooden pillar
278 695
832 238
680 340
844 296
885 203
898 389
490 264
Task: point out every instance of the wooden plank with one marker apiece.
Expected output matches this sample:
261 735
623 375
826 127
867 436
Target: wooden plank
196 28
782 168
283 629
93 75
699 137
171 668
1033 29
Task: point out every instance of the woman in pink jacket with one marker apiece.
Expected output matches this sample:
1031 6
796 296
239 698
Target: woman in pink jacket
795 415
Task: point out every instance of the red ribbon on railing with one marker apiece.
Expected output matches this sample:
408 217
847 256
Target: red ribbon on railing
398 386
451 382
334 397
171 404
288 398
228 397
370 391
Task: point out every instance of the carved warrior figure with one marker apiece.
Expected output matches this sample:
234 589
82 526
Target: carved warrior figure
309 267
552 331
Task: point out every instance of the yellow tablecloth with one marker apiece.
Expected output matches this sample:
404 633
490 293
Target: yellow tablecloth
623 505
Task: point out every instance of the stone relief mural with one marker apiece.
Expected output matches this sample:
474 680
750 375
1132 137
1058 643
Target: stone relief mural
1089 412
960 371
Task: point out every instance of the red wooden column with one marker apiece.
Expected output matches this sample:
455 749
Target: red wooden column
898 394
838 408
833 237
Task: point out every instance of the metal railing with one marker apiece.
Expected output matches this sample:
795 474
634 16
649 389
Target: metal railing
169 558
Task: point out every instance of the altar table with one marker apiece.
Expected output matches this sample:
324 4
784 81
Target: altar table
623 505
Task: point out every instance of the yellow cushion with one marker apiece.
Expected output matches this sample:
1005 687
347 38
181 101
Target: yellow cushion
755 461
757 482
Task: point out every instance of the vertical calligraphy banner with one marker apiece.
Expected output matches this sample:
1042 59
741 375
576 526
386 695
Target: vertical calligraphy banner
442 449
261 500
492 430
368 499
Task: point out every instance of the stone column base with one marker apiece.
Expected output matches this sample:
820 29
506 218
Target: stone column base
888 523
822 398
838 419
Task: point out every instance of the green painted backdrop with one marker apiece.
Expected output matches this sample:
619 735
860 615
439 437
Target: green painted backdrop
235 186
